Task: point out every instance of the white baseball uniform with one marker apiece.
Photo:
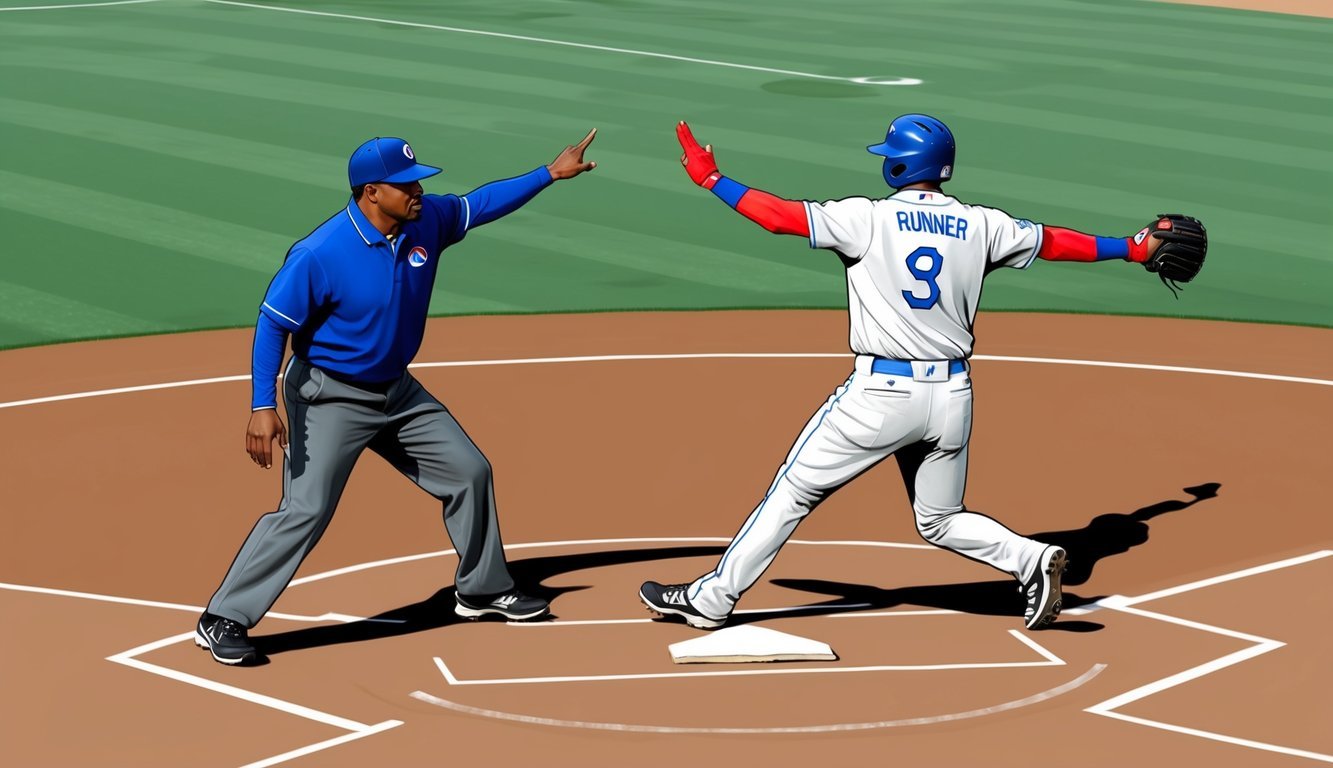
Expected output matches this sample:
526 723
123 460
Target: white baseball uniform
915 263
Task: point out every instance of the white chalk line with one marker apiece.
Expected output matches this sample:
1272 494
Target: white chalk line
1049 660
1190 587
865 80
355 729
686 356
342 617
322 745
1122 603
75 5
1261 646
130 659
603 358
830 728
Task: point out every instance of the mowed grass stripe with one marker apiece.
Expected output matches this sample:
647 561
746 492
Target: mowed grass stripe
505 103
998 49
191 235
37 315
1148 45
208 238
662 256
1183 140
307 167
1190 108
256 157
406 107
1122 17
345 77
1314 156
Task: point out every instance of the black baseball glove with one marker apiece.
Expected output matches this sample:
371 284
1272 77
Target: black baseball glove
1180 253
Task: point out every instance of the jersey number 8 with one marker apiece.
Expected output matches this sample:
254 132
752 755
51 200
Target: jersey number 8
926 275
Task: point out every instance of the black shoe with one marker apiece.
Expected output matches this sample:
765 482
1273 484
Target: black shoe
664 599
512 605
227 640
1042 590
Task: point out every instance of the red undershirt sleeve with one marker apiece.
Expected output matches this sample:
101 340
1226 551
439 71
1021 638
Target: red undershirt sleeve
1060 244
779 216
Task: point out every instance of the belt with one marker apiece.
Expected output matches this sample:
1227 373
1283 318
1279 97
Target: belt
904 367
378 387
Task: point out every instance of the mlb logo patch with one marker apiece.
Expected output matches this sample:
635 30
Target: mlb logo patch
417 257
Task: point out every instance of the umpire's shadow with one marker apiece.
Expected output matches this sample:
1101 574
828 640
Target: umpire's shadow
438 610
1104 536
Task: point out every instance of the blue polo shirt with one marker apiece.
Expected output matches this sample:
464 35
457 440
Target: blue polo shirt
354 302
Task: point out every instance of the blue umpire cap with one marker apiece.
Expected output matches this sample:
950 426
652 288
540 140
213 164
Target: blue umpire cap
386 159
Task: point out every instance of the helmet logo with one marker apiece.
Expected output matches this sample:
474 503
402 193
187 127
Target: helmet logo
946 171
407 150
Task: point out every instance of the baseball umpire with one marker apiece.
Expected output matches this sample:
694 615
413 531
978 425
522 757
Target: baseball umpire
353 296
915 264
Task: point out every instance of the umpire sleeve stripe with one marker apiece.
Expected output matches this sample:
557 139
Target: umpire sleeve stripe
467 213
279 314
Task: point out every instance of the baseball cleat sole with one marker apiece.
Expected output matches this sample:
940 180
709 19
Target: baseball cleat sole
472 614
694 620
1052 598
247 658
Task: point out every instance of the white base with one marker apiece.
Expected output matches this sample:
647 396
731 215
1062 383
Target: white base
748 643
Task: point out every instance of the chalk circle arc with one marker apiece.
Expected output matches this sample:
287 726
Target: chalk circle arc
1026 701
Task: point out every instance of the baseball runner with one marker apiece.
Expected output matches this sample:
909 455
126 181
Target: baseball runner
353 296
915 265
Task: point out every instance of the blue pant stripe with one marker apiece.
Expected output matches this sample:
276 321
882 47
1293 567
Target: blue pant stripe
755 517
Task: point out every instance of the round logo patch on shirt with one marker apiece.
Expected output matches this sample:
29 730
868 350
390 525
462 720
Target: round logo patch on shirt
417 257
407 150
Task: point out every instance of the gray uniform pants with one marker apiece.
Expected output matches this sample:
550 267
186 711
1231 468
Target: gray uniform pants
329 423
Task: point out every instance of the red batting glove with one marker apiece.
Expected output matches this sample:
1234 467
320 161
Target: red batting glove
698 161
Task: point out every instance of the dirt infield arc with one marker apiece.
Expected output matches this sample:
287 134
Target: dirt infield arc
1190 503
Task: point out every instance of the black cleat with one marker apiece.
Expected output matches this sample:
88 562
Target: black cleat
227 640
1042 590
512 605
673 599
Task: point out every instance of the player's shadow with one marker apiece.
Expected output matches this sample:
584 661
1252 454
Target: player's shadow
1116 533
1104 536
438 610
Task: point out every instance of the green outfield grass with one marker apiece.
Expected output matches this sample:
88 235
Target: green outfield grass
159 158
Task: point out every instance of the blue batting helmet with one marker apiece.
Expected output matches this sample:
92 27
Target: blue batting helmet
916 148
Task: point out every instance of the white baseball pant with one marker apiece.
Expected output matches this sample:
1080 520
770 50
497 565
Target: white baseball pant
870 417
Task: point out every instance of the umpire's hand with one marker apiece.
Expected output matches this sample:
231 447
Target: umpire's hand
570 162
265 426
